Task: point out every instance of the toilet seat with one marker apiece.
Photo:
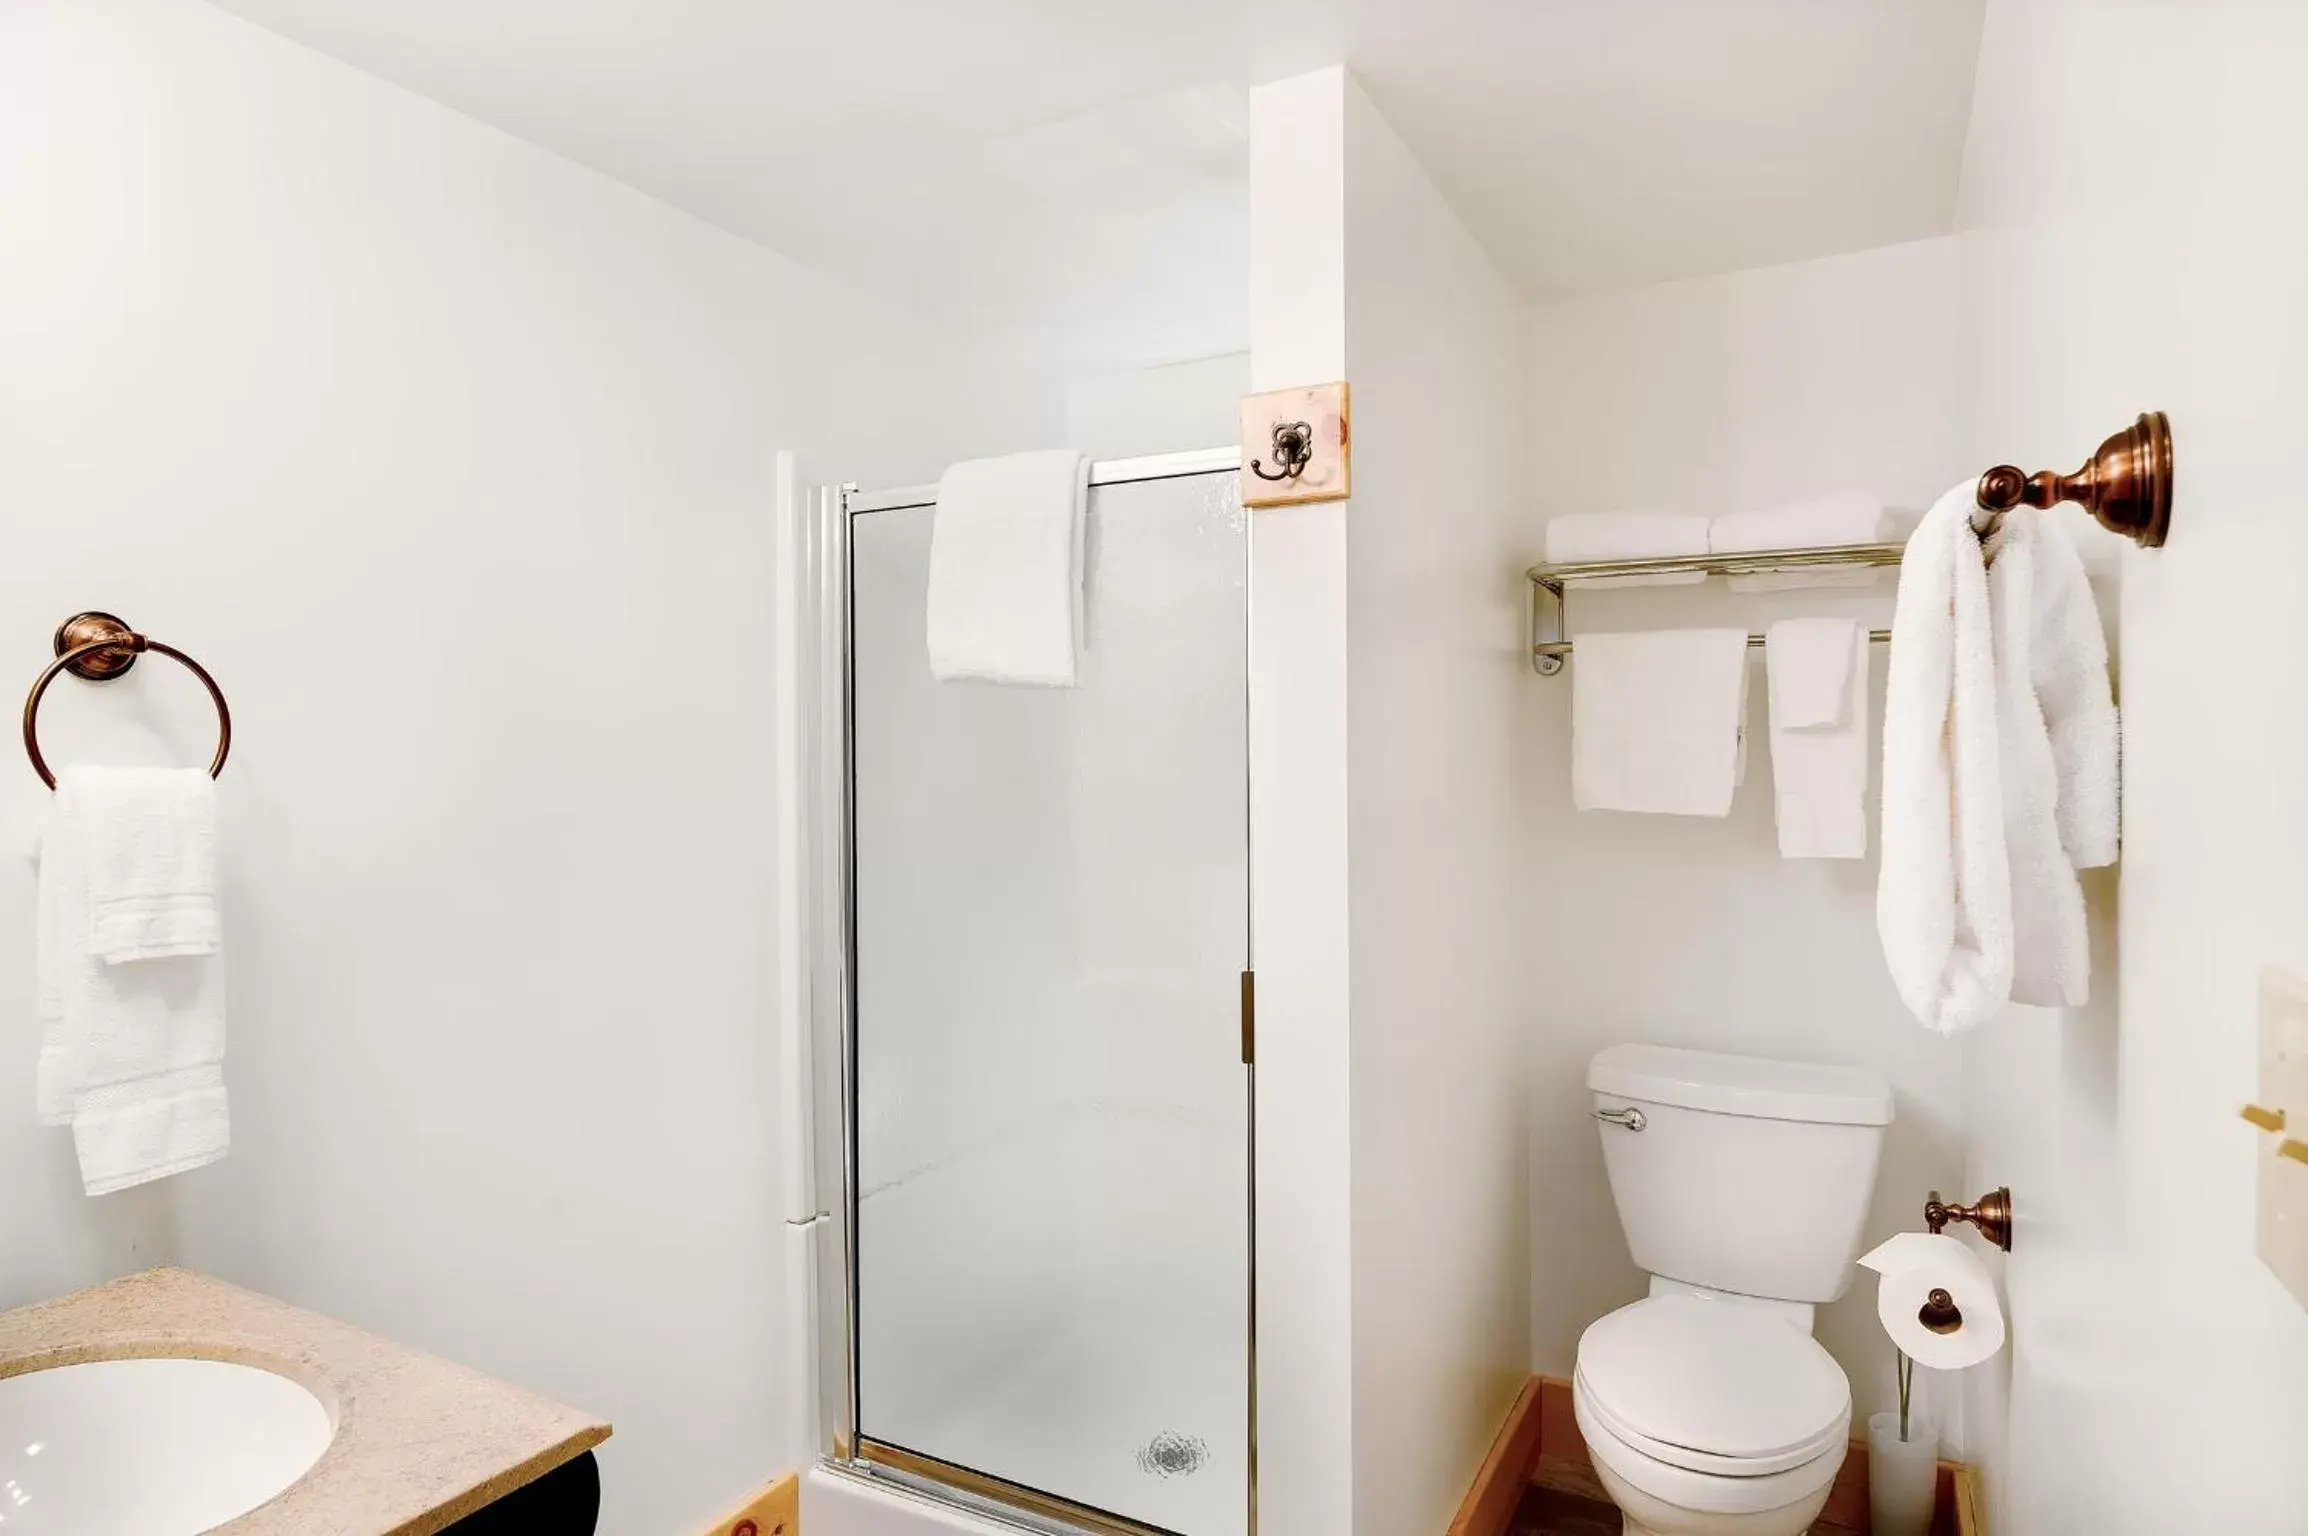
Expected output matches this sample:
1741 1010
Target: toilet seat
1712 1387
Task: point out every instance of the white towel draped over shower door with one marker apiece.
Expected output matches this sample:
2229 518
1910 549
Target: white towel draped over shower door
1005 596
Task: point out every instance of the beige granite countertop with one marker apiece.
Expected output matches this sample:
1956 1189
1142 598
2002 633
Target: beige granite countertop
419 1443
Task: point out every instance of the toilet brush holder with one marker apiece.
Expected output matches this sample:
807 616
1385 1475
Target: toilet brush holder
1902 1475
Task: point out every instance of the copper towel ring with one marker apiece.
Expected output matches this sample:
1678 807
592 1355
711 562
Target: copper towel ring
99 646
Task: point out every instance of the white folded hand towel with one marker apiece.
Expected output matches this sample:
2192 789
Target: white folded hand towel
1846 517
1656 721
1817 669
2059 742
1943 897
1579 537
152 865
1005 595
131 1055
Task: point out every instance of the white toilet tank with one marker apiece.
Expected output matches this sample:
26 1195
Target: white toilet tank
1747 1175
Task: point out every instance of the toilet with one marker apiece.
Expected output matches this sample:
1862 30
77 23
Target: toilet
1743 1185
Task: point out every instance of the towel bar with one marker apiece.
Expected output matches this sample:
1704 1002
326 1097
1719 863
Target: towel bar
98 646
2126 486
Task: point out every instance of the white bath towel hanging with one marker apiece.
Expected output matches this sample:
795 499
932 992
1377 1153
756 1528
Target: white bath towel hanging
1657 721
1943 897
2057 723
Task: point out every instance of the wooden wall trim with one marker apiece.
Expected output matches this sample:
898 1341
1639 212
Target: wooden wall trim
1489 1507
772 1511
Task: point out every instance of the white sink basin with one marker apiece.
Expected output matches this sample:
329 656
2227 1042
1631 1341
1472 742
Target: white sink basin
155 1447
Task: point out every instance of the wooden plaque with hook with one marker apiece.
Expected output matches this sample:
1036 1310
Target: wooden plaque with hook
1295 446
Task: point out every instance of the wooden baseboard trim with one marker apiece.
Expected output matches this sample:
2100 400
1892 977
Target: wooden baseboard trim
1489 1507
774 1511
1540 1443
1970 1502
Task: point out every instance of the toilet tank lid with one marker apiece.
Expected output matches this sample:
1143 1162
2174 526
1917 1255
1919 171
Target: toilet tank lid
1741 1085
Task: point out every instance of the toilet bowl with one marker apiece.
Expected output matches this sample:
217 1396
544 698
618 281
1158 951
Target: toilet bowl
1710 1417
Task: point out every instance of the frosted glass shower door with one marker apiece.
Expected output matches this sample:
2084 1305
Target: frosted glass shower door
1052 896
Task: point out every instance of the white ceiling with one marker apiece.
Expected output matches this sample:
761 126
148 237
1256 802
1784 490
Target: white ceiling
1075 169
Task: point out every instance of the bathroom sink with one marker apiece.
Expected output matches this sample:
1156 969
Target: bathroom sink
161 1447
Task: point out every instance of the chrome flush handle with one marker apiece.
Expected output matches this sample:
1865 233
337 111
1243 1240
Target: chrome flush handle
1630 1117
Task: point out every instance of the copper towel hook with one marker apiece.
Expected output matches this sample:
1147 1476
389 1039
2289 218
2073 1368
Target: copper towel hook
99 646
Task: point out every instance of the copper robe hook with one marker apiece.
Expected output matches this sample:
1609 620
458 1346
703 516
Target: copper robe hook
2127 485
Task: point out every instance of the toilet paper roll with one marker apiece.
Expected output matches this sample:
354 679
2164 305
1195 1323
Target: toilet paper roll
1937 1301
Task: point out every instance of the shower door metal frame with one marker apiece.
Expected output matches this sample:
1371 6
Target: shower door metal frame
830 943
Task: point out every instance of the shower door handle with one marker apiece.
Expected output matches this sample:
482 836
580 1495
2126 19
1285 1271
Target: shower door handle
1630 1118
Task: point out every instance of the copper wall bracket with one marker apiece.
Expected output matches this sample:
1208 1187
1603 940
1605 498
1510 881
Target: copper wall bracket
86 629
2127 485
1992 1215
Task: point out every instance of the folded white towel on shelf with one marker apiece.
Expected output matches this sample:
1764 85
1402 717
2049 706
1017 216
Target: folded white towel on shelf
1657 721
1943 896
1579 537
131 1054
152 866
1817 670
2059 752
1005 595
1847 517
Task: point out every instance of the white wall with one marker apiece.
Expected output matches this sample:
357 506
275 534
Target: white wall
1712 396
1168 408
2127 254
1442 1238
454 462
1392 1223
1298 836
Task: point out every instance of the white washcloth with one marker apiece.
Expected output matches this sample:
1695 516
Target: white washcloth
1847 517
1656 721
1579 537
1943 898
1817 670
2059 739
131 1055
1005 601
152 865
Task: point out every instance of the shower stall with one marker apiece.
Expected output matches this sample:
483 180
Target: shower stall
1029 950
